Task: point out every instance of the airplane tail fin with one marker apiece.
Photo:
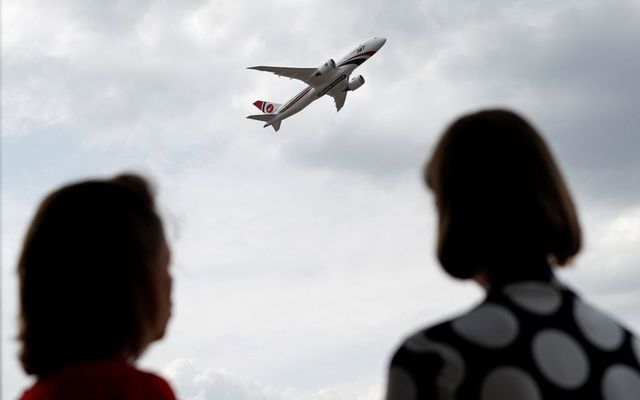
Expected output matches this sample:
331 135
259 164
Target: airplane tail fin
266 107
266 118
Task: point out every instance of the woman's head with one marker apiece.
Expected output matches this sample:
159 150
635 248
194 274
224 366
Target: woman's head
94 279
503 206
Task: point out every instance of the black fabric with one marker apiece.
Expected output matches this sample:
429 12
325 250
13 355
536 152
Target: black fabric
478 361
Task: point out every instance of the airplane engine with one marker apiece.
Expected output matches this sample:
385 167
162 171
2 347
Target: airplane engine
326 67
356 82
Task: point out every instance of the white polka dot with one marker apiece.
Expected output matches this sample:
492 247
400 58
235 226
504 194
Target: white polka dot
636 348
620 383
452 373
508 383
401 385
535 297
560 358
489 325
599 329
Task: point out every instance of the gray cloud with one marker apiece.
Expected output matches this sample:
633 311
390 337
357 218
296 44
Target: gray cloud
379 152
576 76
195 382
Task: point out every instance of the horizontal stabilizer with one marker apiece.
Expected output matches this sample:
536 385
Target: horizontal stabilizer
262 117
267 118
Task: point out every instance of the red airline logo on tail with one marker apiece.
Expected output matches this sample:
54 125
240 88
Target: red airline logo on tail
264 106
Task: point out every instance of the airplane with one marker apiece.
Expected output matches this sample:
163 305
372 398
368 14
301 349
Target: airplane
330 78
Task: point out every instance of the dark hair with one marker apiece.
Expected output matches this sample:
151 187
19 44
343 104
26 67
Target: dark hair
503 206
87 275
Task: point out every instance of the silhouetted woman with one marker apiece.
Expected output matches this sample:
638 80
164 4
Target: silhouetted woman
95 291
506 220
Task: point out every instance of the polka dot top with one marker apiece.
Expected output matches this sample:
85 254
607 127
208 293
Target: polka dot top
527 340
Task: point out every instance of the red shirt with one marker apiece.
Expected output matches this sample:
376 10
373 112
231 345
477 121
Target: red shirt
102 380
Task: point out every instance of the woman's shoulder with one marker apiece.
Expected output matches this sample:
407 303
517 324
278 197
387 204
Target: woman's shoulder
437 338
152 386
544 331
101 380
516 312
425 363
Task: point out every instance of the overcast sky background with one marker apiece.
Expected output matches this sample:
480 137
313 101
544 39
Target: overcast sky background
302 258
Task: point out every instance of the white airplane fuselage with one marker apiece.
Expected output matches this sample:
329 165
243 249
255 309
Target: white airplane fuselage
337 80
333 79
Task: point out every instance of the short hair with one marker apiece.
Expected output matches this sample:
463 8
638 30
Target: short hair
87 275
503 205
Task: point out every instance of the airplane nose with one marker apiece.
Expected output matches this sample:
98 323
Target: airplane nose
381 41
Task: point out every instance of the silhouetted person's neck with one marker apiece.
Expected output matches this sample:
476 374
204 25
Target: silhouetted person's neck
518 271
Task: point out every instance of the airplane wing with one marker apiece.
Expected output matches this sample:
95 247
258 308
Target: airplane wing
303 74
339 97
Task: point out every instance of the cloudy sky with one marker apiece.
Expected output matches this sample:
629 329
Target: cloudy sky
302 258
